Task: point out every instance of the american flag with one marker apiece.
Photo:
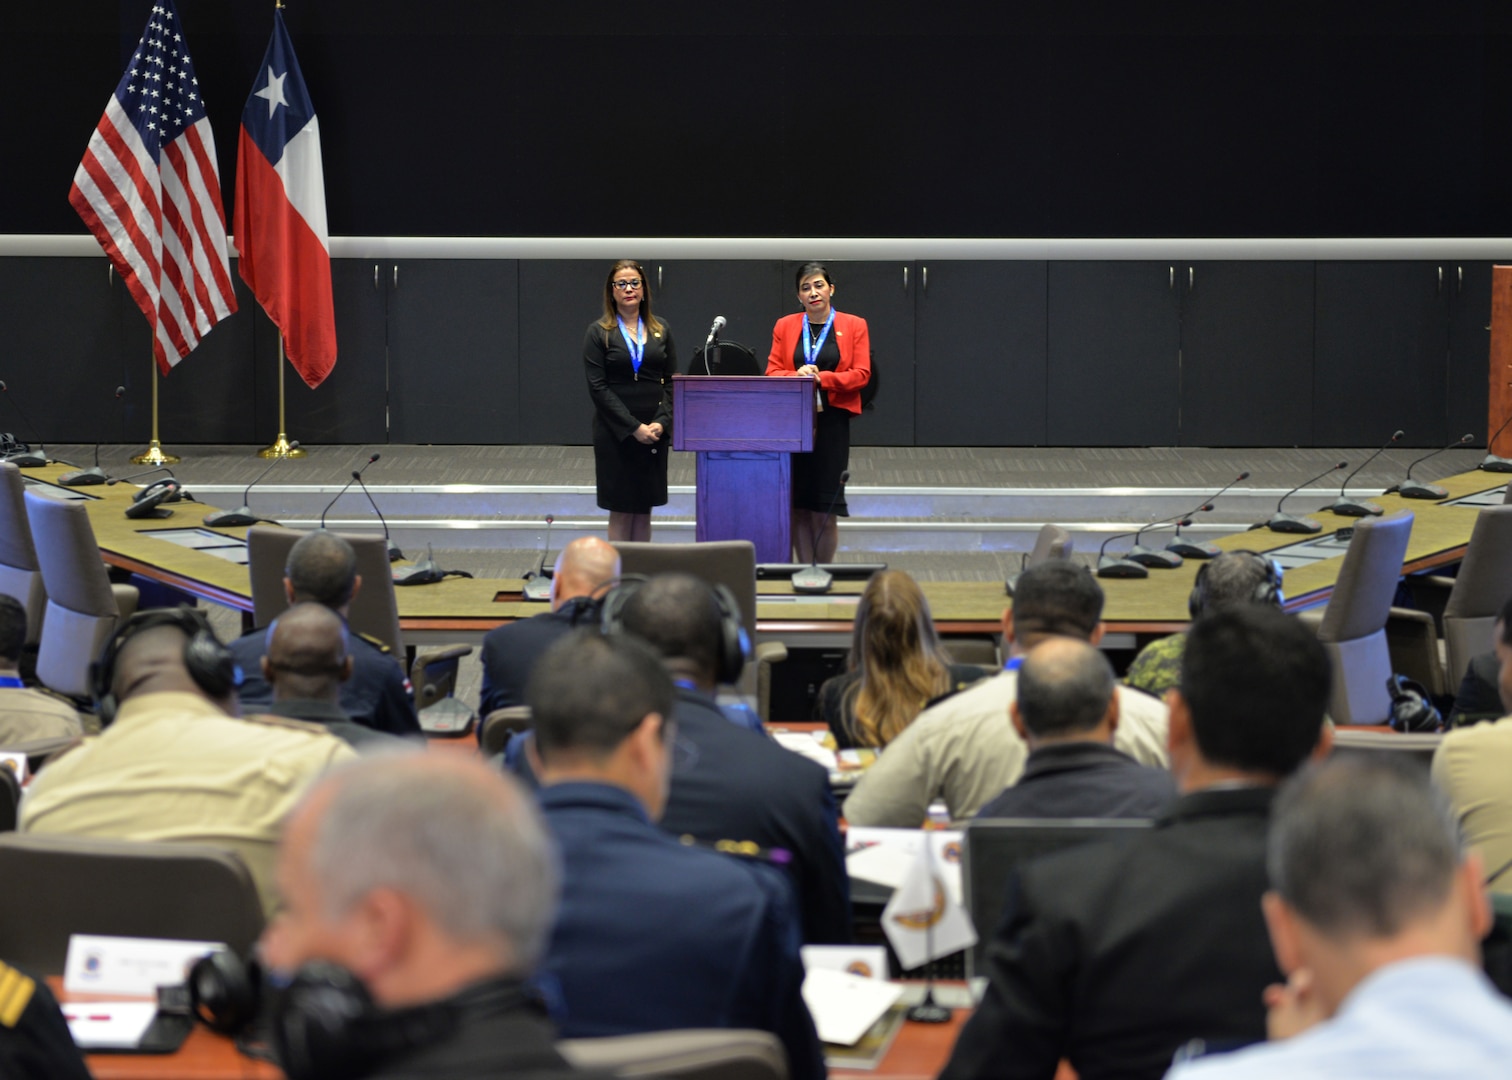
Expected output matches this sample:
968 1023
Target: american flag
149 190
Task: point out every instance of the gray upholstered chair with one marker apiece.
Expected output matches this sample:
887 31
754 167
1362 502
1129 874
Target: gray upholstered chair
1353 626
731 563
499 725
20 573
1419 746
83 607
1053 542
124 888
733 1054
1476 595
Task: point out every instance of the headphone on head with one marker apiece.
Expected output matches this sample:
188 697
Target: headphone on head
733 646
209 663
1268 592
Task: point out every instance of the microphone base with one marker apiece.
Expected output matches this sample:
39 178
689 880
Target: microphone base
27 459
1412 489
1109 567
1156 560
538 589
422 573
1492 463
812 580
928 1012
1354 508
84 477
228 519
394 553
1286 523
1188 549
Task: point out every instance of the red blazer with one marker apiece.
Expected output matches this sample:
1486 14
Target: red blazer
843 385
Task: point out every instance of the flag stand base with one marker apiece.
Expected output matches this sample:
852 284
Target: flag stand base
281 449
929 1011
154 455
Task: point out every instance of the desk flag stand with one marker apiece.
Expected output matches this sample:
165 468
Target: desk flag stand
281 447
154 455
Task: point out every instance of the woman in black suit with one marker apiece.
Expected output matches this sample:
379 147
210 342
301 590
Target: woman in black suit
629 359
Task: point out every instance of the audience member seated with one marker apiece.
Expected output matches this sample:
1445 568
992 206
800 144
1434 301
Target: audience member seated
26 714
584 569
418 891
652 934
1376 916
1067 712
1115 955
322 569
172 763
896 666
309 660
964 750
34 1039
734 786
1478 698
1235 577
1472 766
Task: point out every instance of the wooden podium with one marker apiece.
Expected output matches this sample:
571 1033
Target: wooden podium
743 427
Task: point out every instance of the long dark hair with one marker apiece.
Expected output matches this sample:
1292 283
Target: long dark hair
611 310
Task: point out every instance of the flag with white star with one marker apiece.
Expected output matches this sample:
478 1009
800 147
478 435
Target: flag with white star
148 188
280 219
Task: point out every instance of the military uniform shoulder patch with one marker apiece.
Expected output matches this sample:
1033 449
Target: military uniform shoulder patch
377 643
16 992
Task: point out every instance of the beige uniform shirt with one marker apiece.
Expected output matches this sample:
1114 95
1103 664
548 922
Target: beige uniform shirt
174 767
31 714
1472 766
965 751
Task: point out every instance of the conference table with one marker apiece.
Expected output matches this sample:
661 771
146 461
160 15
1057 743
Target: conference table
464 609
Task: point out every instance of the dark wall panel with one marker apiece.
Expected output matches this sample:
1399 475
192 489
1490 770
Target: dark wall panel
1469 389
559 298
454 362
1113 342
1246 353
690 292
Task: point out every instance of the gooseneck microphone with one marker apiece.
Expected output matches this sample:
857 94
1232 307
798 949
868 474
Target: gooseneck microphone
1161 560
243 514
394 554
344 488
133 476
24 459
94 474
1491 462
1188 549
1110 567
1416 489
1286 523
813 578
1346 507
719 324
537 583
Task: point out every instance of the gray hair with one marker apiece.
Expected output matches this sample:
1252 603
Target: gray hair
1064 687
472 850
1362 847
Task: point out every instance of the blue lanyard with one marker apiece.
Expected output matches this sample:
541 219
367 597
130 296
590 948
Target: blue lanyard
636 346
10 682
810 347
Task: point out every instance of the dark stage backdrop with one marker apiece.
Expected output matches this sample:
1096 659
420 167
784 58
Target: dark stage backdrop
1116 118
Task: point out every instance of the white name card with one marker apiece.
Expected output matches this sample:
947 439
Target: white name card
122 965
862 961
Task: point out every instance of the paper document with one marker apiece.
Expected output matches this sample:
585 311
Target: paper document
844 1006
114 1024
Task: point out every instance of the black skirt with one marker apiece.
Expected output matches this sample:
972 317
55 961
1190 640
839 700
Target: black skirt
816 476
631 476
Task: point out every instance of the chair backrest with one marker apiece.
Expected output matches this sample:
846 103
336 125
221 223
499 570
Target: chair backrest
63 885
375 610
20 572
1483 585
499 725
725 1054
1053 542
81 611
731 563
1353 630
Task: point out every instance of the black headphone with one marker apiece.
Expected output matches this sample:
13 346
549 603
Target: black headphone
209 663
324 1025
1267 592
734 643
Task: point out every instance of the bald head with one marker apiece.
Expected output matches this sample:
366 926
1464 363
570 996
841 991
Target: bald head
152 662
308 654
583 566
1065 689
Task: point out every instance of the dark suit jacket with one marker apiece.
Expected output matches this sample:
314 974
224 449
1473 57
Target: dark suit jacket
1084 780
1115 955
510 653
843 385
378 695
334 719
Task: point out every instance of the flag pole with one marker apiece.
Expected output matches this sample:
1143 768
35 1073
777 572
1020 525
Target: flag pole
154 455
281 447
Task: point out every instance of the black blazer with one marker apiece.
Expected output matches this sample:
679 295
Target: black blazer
510 652
1115 955
1084 780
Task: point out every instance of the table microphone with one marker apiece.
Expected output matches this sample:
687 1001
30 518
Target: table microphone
243 514
344 489
538 582
94 474
1491 462
1188 549
1416 489
1161 560
25 459
1359 508
813 578
1286 523
394 554
1107 566
133 476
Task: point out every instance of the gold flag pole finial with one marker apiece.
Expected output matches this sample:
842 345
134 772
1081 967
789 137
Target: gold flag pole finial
281 447
154 455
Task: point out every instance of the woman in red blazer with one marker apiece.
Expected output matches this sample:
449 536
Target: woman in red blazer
834 348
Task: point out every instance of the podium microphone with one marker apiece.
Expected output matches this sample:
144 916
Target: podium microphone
1187 549
1416 489
243 514
1286 523
344 488
538 582
394 554
94 474
813 578
24 459
1108 566
1345 507
1491 462
719 324
1161 560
